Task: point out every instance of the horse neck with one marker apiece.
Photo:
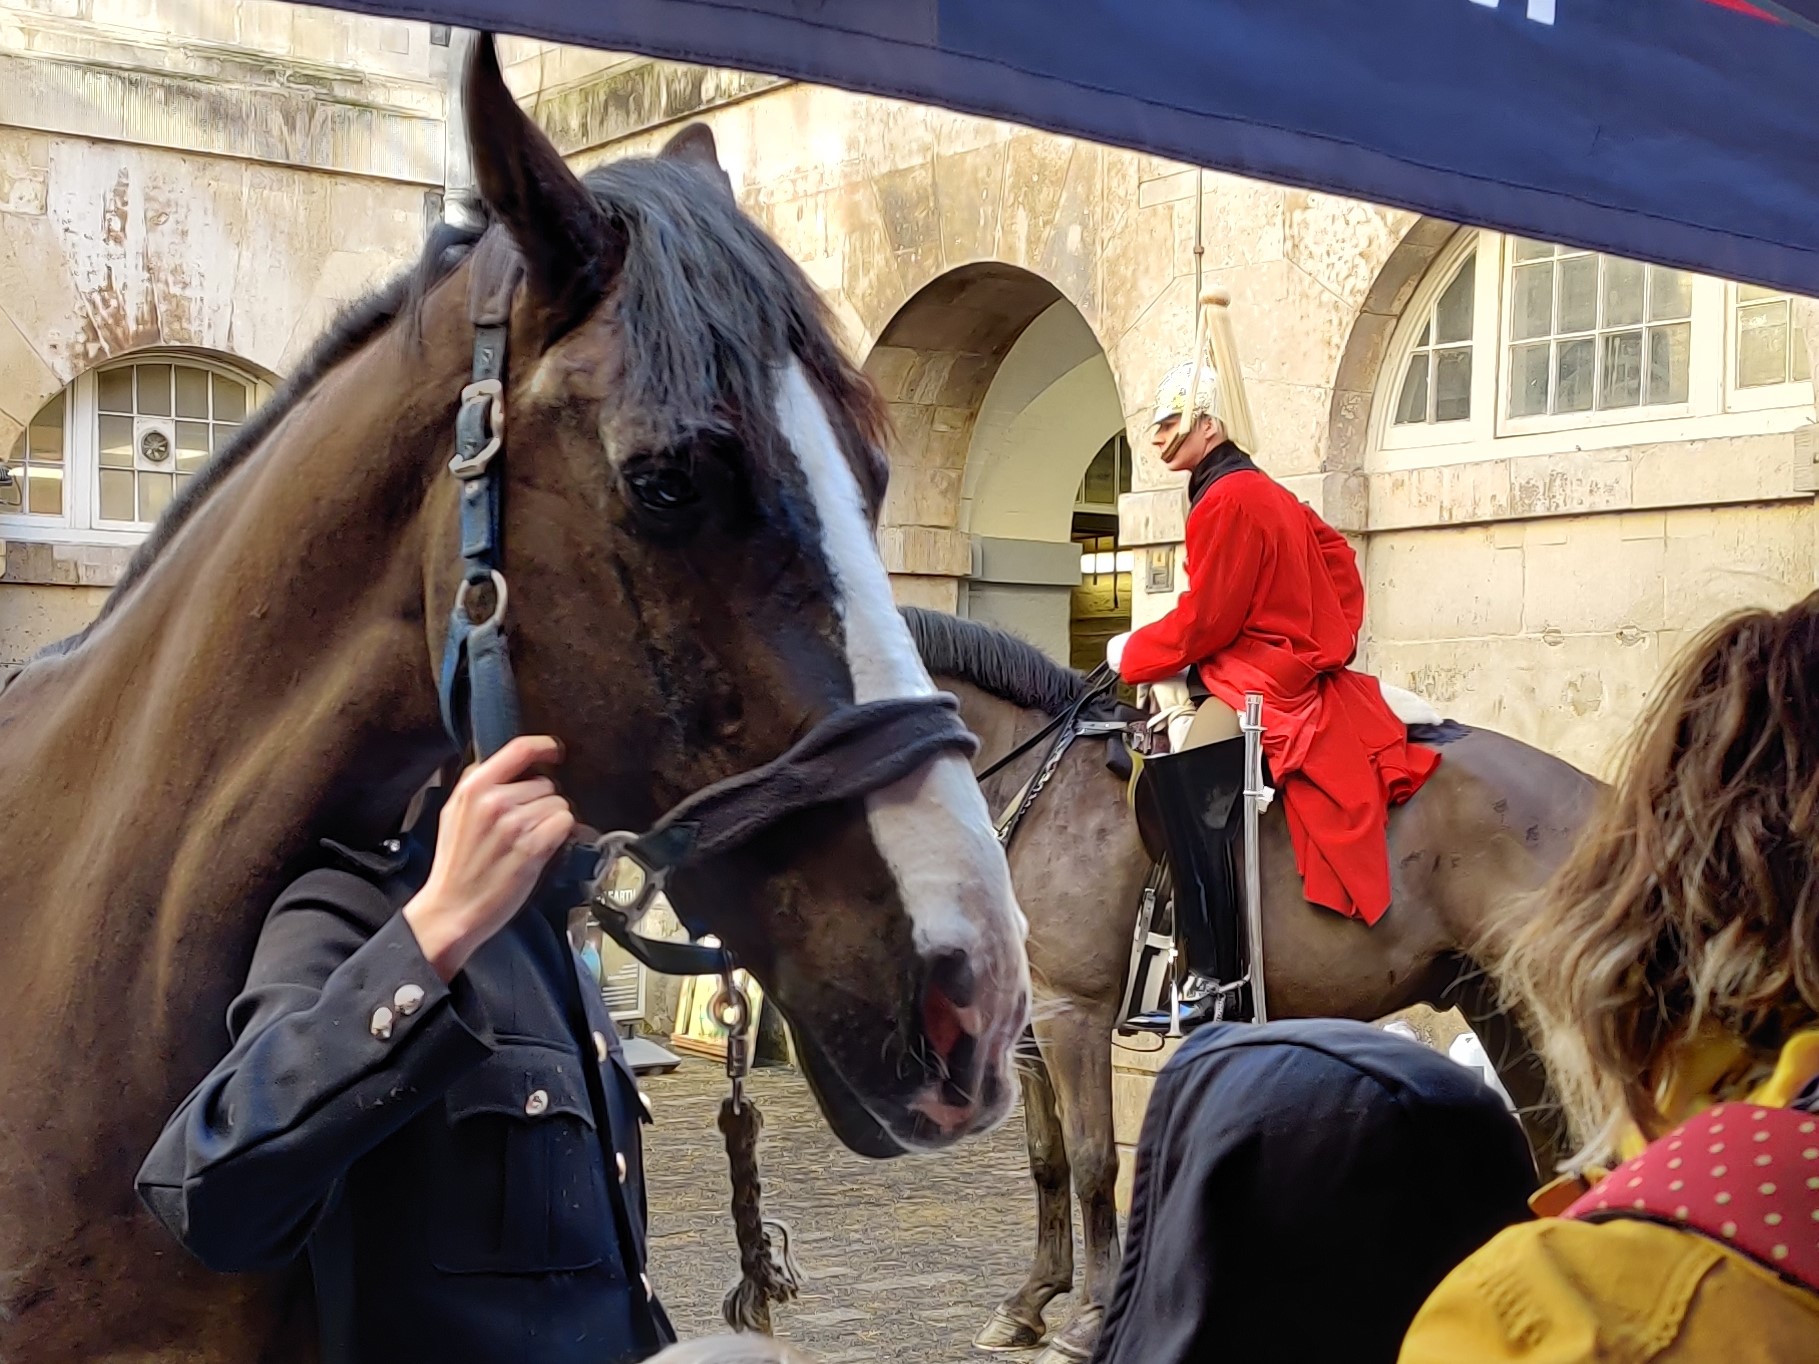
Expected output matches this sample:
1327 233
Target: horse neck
1000 726
265 684
1077 862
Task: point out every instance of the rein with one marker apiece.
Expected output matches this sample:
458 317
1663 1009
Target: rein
853 751
1101 681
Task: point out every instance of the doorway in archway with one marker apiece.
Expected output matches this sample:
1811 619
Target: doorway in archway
1009 459
1100 605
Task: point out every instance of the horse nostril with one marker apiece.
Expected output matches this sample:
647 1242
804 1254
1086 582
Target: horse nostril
946 1005
950 972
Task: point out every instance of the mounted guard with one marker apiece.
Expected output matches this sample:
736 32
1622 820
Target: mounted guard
1271 615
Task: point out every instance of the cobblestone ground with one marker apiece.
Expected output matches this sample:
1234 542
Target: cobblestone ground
905 1259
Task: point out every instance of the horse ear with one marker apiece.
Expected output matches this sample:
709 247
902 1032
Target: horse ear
572 251
695 145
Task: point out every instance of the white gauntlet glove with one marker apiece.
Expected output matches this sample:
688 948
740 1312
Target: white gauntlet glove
1114 651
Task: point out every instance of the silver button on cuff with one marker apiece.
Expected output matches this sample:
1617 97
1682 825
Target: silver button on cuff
408 1000
645 1099
600 1045
619 1164
645 1279
382 1023
538 1103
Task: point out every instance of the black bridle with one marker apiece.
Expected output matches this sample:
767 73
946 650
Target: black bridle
1069 725
851 752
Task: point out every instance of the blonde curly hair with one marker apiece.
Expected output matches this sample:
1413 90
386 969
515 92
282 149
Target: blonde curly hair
1691 900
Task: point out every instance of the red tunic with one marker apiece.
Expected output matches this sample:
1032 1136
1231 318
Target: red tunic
1274 604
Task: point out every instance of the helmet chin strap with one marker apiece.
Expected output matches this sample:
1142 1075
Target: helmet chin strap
1182 431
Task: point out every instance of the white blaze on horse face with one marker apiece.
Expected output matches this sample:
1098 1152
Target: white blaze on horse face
932 829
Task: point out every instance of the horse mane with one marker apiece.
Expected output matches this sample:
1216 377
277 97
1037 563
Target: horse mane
992 660
711 308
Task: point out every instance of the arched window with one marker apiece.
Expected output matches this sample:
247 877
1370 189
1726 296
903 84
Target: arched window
1508 343
1437 377
108 453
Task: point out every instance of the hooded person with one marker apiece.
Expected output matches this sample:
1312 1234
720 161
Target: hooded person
1300 1188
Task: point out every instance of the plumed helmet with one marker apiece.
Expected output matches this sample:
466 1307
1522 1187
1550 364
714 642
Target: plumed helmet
1172 398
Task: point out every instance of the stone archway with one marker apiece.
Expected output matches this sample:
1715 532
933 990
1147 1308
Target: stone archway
1361 361
1002 398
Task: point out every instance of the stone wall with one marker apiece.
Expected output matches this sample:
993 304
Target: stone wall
220 179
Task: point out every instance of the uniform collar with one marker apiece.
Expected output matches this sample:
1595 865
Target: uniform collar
1224 458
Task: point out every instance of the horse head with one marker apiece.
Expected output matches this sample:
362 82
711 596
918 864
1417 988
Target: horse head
687 513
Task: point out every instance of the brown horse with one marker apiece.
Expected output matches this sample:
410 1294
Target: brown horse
689 486
1490 824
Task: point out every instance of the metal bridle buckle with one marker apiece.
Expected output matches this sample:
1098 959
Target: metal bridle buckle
491 393
499 598
611 849
731 1008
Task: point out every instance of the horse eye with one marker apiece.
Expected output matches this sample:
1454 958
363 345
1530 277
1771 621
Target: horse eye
662 488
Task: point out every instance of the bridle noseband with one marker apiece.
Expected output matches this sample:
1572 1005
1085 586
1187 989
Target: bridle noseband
851 752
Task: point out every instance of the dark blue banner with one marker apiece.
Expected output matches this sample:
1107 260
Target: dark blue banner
1679 131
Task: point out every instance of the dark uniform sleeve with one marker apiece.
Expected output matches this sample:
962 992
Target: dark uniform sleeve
342 1035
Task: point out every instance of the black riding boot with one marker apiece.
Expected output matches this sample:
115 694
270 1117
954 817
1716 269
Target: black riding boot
1199 794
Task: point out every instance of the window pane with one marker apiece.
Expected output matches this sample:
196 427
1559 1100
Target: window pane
192 392
223 434
1411 406
1528 380
1533 307
1100 486
44 491
1670 362
1749 292
192 445
154 495
1670 294
1578 294
1622 292
1622 384
117 442
116 495
1426 339
1453 314
114 389
1573 376
44 443
230 399
1762 349
154 390
1802 361
1453 385
183 481
1528 250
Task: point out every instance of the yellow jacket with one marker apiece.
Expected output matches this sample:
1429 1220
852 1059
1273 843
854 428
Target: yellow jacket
1624 1291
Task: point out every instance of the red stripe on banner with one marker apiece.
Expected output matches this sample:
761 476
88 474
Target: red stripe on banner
1744 7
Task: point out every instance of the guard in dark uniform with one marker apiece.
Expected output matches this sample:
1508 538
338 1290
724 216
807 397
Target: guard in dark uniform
426 1097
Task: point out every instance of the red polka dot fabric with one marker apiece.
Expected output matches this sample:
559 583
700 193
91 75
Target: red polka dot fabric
1748 1177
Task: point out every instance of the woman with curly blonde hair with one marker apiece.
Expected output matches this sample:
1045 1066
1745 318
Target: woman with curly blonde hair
1673 970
